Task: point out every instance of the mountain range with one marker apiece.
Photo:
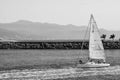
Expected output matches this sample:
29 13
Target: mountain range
27 30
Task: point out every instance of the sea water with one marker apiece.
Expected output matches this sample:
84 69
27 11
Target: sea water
11 58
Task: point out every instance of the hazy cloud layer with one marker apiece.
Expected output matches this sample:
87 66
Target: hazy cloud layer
76 12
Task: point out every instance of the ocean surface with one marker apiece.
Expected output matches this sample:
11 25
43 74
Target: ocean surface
55 64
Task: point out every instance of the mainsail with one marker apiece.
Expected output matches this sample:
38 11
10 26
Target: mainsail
96 50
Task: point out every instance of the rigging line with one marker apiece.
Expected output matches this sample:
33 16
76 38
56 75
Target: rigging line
84 37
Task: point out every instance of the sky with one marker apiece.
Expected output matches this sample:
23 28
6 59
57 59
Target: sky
76 12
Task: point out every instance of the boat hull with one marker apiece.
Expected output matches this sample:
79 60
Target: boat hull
93 65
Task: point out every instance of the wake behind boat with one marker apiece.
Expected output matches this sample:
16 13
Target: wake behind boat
62 74
96 50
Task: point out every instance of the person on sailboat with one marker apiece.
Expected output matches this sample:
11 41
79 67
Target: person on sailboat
80 61
91 60
99 62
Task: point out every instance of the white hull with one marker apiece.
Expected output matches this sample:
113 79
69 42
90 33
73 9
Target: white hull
93 65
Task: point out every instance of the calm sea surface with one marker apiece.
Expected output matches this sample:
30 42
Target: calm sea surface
21 57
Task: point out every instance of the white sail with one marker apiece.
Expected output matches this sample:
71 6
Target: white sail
96 50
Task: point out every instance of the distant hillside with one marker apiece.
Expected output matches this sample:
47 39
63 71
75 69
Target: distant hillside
44 31
6 34
13 35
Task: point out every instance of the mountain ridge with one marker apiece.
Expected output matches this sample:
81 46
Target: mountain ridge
49 31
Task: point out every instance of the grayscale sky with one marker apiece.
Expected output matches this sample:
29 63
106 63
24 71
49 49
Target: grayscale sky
76 12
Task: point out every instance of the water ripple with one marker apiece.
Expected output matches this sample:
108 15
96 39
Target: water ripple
58 73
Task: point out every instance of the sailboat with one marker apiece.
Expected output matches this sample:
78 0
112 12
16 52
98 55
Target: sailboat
96 51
